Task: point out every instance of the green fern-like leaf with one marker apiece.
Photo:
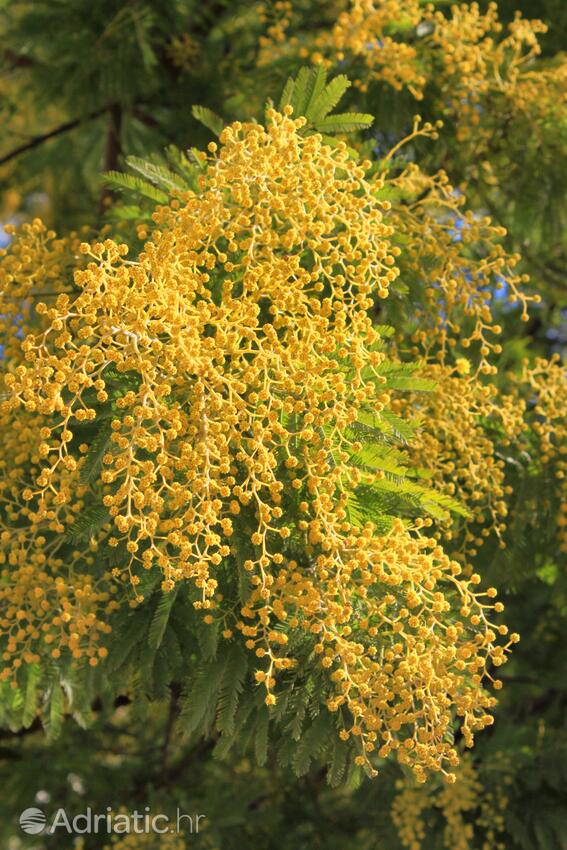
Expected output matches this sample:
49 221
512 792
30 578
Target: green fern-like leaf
87 524
159 175
312 97
438 505
129 635
184 165
208 639
385 426
297 711
128 212
287 93
295 94
381 457
53 718
346 122
209 119
231 688
313 742
339 761
161 616
92 463
362 509
261 736
243 714
402 376
33 676
135 186
201 694
327 99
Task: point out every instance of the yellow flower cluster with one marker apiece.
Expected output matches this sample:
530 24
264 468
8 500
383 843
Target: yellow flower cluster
424 662
453 444
275 18
47 602
464 54
40 610
239 337
546 380
278 21
183 51
37 262
479 62
410 806
468 809
465 276
230 360
360 28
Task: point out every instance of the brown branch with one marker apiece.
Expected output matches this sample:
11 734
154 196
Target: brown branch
16 60
44 137
146 119
113 150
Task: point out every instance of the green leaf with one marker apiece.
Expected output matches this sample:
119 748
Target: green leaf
196 158
312 743
435 503
298 98
423 385
30 699
243 712
148 579
159 175
160 618
208 638
338 764
201 694
287 93
319 108
261 736
346 122
385 425
365 506
135 185
206 116
231 688
129 637
87 524
312 97
314 89
127 212
298 709
381 457
182 165
92 463
285 752
55 717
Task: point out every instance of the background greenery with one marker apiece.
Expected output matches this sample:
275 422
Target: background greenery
82 86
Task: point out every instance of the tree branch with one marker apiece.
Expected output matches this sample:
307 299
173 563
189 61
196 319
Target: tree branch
44 137
113 149
16 60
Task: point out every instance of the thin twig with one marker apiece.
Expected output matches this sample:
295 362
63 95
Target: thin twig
113 150
44 137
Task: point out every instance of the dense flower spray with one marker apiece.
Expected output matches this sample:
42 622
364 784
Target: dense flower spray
246 354
469 810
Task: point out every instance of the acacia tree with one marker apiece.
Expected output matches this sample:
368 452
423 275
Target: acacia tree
275 439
